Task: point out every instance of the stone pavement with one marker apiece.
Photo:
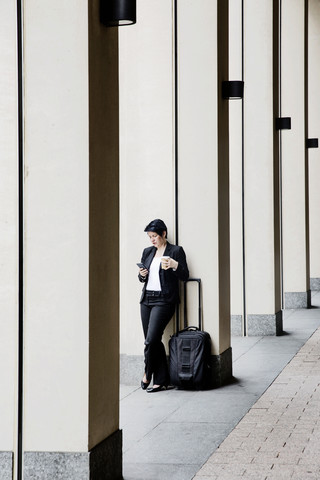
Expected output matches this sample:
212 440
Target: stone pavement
279 438
262 425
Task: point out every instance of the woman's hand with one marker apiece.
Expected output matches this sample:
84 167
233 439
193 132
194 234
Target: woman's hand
143 272
170 263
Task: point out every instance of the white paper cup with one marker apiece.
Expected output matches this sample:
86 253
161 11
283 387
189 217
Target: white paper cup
164 259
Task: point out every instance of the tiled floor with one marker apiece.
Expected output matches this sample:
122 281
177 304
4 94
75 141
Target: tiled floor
172 434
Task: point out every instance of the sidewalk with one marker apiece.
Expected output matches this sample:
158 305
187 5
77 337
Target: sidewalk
279 438
172 434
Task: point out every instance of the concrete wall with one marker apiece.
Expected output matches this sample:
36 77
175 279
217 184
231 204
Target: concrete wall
294 161
147 158
56 227
103 229
314 132
146 150
9 225
200 162
71 236
255 283
235 138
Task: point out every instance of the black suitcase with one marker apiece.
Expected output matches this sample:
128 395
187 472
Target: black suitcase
190 352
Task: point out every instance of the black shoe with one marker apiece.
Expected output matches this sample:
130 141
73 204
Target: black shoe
144 385
157 389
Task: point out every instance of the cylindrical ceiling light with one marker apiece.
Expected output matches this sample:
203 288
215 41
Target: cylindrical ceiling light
232 89
283 123
312 143
115 13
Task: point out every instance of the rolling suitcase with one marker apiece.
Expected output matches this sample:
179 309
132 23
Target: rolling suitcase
190 351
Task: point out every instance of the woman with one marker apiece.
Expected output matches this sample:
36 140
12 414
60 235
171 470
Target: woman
158 300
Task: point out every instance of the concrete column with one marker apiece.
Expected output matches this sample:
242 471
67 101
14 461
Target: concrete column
296 277
235 152
261 180
71 377
147 160
147 125
314 132
9 236
204 166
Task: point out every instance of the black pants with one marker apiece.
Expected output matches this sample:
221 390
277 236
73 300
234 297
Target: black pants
155 316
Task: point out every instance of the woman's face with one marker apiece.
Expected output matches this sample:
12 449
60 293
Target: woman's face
157 240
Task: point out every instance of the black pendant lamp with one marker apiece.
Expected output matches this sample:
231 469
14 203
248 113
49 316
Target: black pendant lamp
115 13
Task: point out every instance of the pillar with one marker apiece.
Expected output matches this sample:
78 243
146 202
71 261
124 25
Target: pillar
146 161
237 303
296 277
154 136
203 167
314 132
9 236
261 167
71 376
260 173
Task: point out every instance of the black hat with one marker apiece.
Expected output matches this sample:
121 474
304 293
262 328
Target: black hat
157 226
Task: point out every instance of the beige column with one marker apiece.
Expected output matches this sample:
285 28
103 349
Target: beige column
261 167
146 160
71 378
9 236
314 132
204 166
294 157
147 148
235 152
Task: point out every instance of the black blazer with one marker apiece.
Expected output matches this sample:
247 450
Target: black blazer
169 279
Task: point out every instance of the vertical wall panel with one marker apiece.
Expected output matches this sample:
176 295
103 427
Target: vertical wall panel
146 150
204 158
295 188
235 137
56 226
314 132
260 168
8 227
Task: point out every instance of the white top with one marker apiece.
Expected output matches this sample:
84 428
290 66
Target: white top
154 279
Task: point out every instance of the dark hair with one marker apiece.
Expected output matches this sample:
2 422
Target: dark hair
158 226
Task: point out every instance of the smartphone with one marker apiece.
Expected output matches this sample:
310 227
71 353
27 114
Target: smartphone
140 265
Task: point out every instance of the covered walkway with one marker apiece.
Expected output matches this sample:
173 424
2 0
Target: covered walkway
266 421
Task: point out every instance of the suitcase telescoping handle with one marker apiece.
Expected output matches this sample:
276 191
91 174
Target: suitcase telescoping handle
185 321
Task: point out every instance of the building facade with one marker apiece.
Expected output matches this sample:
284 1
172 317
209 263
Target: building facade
104 129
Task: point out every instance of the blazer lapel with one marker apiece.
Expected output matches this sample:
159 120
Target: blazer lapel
168 250
167 253
149 258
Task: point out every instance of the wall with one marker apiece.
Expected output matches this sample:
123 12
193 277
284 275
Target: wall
56 227
9 224
314 132
146 150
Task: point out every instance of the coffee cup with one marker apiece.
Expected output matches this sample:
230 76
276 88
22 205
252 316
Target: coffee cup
164 259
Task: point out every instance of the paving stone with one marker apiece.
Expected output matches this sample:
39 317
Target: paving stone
257 469
230 444
226 458
223 469
281 471
290 448
309 459
304 472
207 477
278 437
